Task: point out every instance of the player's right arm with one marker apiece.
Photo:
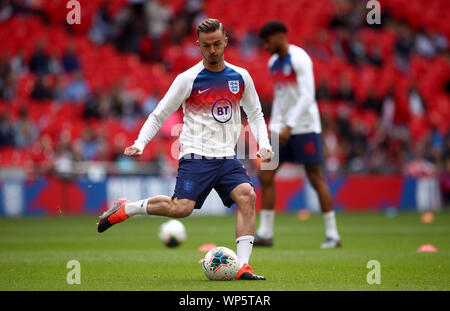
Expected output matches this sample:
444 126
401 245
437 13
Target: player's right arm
175 96
303 67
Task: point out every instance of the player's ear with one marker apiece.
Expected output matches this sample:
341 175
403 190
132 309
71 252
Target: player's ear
226 41
198 43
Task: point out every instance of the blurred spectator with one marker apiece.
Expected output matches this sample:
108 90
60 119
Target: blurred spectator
428 189
97 105
54 64
158 15
150 103
122 163
373 102
102 29
248 45
343 124
377 162
25 132
415 101
440 41
388 109
63 158
89 145
40 61
77 89
375 57
6 130
42 154
70 61
102 138
419 165
345 91
357 52
404 47
358 144
323 91
424 45
58 88
122 102
341 44
6 10
7 87
319 47
131 27
331 144
343 12
19 64
436 138
7 83
5 66
42 89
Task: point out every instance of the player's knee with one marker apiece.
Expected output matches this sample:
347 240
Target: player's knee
247 197
251 198
181 209
181 212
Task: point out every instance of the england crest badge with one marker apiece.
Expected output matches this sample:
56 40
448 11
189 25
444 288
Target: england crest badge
233 85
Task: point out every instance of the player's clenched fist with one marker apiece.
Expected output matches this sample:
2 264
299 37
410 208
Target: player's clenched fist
265 154
132 152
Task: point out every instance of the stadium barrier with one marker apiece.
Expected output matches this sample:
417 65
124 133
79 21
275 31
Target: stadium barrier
25 196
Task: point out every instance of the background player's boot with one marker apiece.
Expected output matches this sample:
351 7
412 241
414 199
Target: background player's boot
330 243
259 241
246 273
113 216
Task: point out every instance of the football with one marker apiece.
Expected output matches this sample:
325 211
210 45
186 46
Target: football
221 264
172 233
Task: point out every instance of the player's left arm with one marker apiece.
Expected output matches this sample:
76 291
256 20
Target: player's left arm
303 67
252 108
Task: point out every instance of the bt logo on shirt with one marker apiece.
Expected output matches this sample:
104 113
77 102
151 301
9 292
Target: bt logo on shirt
222 110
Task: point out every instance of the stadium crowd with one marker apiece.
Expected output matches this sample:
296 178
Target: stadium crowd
383 89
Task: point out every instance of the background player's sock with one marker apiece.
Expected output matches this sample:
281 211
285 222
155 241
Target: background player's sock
244 246
265 229
136 208
330 225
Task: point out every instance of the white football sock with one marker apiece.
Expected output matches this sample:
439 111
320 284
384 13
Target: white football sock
265 229
244 246
330 225
136 208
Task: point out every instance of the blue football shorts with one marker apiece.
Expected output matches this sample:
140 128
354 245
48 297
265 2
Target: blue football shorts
198 175
302 148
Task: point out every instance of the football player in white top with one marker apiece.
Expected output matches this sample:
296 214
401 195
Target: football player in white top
211 94
295 118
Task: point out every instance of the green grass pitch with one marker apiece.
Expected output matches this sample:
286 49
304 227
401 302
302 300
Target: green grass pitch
34 253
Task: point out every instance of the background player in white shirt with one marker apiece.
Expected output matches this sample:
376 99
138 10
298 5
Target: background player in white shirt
211 94
295 117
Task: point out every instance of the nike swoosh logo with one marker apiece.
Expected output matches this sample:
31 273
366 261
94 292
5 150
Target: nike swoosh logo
202 91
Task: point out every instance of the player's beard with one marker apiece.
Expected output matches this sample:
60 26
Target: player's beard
214 61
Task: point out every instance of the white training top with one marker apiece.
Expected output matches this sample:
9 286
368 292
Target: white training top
212 117
294 102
